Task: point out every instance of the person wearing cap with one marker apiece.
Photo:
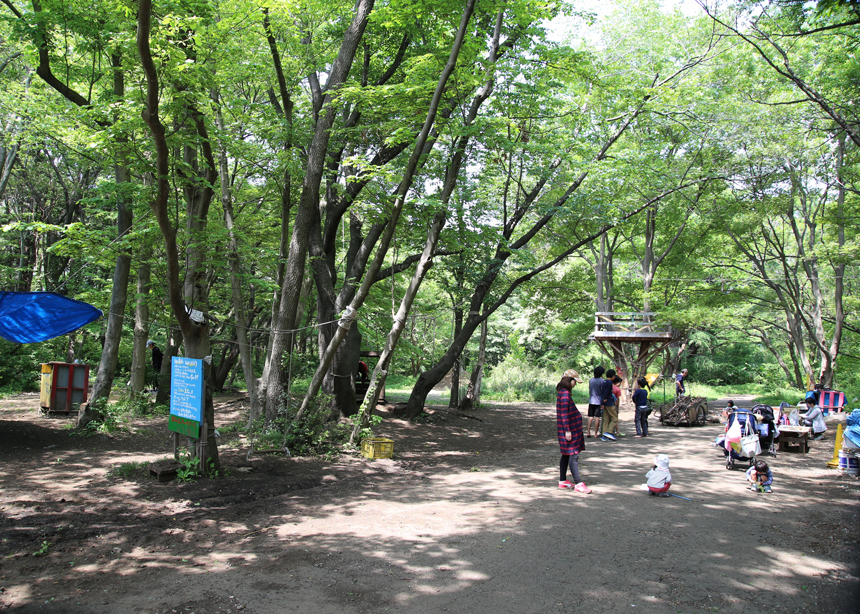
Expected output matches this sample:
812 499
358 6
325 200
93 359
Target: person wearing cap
680 390
570 439
157 355
659 478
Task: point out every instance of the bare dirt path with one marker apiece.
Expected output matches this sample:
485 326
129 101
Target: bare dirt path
465 518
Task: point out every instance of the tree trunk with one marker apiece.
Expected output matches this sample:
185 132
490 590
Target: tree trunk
119 290
454 400
174 341
828 363
70 348
116 312
472 398
795 363
141 325
222 372
282 338
763 337
380 372
192 324
402 190
243 320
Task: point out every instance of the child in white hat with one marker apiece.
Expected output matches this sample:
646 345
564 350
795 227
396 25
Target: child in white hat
659 478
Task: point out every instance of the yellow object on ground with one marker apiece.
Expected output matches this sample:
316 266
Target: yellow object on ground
834 462
377 447
47 381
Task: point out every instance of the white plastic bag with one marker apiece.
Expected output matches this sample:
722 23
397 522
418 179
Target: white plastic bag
733 435
750 445
794 418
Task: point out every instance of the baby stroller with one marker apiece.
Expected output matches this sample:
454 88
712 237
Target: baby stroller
766 427
734 452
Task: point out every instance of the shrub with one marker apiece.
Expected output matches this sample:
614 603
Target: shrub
315 434
513 380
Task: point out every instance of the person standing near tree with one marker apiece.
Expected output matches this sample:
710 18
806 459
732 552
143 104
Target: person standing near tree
157 359
640 405
610 405
616 390
595 401
680 390
570 440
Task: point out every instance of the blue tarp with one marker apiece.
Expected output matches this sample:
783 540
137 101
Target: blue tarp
852 428
30 317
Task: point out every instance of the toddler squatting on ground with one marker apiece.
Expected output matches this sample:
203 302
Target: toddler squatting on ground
761 476
659 478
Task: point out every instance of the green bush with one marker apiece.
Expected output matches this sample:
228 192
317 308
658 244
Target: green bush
314 434
20 367
513 380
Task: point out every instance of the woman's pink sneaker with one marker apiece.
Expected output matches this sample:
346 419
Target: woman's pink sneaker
581 487
567 484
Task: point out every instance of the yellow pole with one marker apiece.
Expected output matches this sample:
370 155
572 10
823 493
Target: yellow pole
834 462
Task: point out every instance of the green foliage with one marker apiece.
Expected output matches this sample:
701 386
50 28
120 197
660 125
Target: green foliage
316 434
367 431
517 381
780 395
189 470
136 404
115 415
233 427
20 367
43 549
551 108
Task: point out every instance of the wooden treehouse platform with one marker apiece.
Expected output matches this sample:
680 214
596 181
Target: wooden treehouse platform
612 329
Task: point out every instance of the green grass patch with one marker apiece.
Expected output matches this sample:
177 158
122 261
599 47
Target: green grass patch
127 470
762 393
233 427
400 382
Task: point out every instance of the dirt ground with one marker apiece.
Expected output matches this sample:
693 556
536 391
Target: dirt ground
466 517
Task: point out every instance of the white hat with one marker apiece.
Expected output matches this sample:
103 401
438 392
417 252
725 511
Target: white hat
662 461
150 342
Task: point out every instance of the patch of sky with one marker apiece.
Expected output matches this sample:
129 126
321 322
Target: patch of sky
583 26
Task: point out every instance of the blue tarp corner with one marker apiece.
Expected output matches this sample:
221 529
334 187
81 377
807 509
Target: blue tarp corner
31 317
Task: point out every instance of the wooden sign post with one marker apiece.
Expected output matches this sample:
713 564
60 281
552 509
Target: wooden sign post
186 403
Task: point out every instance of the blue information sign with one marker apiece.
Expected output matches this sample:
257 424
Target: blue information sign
186 395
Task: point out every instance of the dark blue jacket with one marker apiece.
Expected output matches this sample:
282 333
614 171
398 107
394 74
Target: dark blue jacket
606 392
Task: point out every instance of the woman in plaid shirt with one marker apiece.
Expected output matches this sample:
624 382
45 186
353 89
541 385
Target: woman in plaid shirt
570 439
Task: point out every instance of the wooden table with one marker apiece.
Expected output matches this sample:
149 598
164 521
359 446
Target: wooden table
793 435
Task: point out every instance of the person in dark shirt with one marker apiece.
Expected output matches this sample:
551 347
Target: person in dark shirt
157 359
640 404
680 390
607 402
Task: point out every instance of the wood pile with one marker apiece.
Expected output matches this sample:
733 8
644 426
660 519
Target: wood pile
686 410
